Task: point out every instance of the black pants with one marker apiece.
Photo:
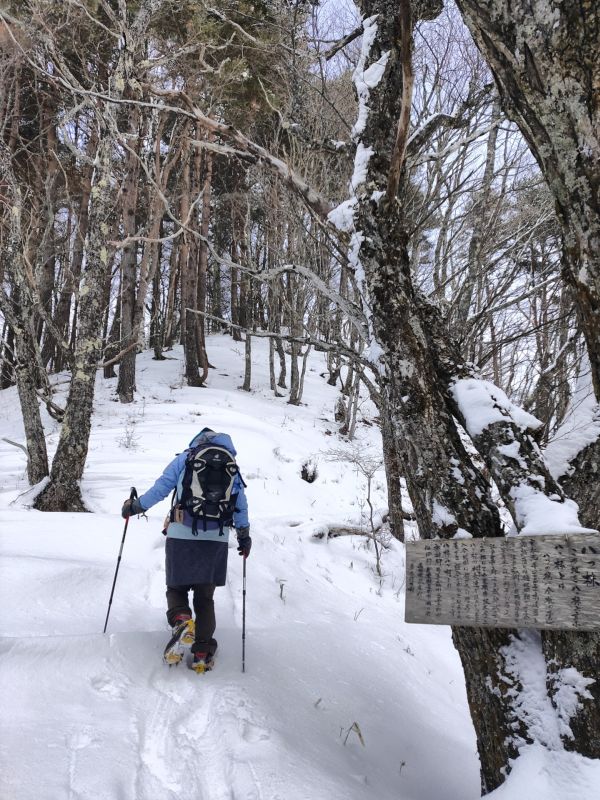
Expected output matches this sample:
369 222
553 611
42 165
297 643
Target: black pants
204 608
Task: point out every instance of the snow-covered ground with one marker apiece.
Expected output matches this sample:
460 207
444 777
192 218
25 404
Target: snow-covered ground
340 698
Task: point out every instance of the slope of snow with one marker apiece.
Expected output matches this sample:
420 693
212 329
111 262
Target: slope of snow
96 717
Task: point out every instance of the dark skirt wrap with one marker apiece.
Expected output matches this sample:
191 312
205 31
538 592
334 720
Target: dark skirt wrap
188 561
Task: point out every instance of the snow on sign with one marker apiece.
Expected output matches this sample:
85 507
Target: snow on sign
515 582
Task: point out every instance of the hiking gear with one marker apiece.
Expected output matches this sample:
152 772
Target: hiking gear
183 634
207 486
244 618
132 497
203 656
184 619
201 663
205 646
131 507
195 561
170 480
177 608
244 542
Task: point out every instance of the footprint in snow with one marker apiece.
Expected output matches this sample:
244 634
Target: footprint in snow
253 733
115 688
249 728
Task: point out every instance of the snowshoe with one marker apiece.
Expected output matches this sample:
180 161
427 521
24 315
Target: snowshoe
183 634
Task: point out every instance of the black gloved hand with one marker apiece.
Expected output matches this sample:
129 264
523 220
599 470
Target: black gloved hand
244 541
131 508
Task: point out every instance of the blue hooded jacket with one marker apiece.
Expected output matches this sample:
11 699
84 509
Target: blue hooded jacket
171 479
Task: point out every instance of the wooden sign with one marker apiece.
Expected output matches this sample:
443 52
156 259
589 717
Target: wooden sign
514 582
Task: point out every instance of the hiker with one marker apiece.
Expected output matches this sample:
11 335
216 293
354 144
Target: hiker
208 497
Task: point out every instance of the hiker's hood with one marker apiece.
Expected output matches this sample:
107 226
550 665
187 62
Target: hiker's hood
213 437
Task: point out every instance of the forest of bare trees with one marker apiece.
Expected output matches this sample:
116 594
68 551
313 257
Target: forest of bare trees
409 186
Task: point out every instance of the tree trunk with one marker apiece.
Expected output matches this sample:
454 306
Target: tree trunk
111 347
544 58
203 262
126 382
391 461
26 375
296 331
63 493
448 492
18 310
282 382
157 320
235 275
189 281
579 649
174 284
63 309
7 373
247 385
481 222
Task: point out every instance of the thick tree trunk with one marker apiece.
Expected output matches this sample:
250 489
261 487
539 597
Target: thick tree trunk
516 466
489 700
544 57
63 492
447 491
574 648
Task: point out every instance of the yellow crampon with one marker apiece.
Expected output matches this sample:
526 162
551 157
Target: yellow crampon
183 635
187 637
201 667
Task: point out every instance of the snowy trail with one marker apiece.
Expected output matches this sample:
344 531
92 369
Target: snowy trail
92 717
82 701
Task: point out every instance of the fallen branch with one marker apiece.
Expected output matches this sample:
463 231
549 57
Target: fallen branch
16 444
335 531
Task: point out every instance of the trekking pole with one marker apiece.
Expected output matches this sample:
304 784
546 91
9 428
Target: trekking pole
244 617
132 497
